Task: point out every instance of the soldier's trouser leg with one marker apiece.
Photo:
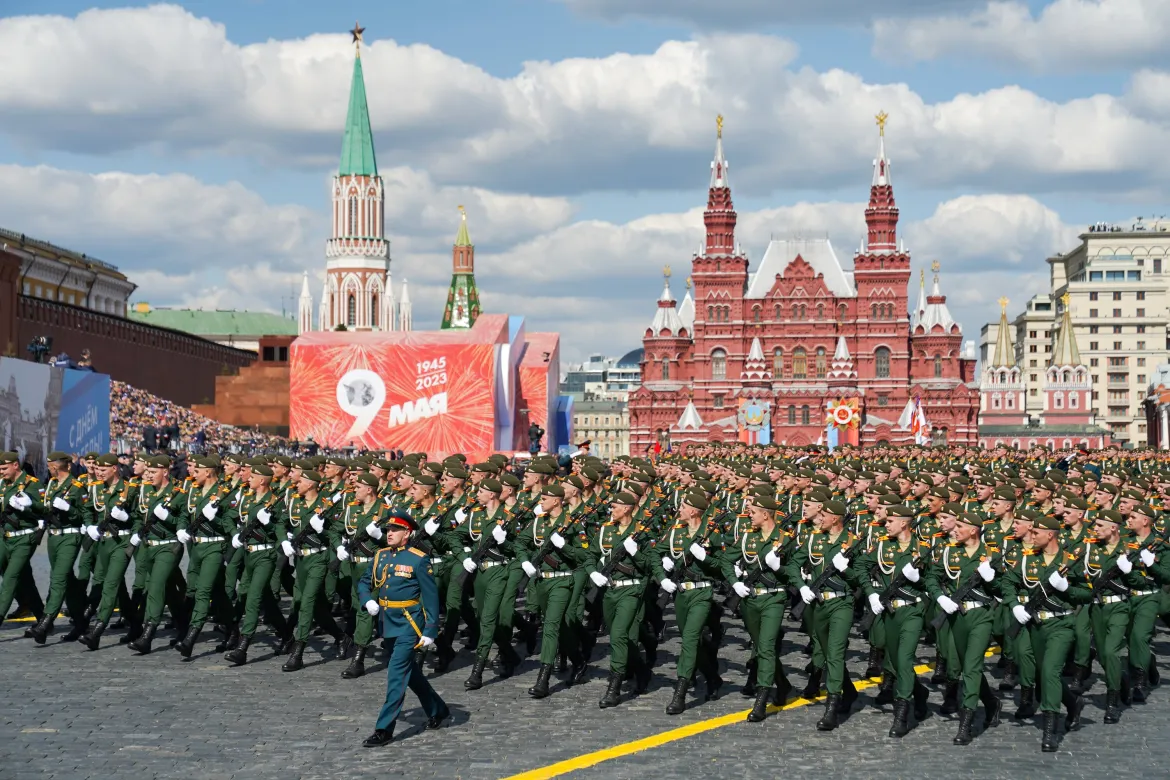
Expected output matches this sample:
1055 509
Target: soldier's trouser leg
1143 614
553 601
141 570
98 565
508 601
622 610
159 563
205 575
18 551
277 573
831 621
1025 657
63 585
877 638
232 574
1051 642
818 650
311 572
403 671
751 624
903 630
27 595
85 562
489 592
254 586
972 637
330 585
176 584
577 611
944 643
363 622
1110 622
691 609
767 612
112 558
1084 637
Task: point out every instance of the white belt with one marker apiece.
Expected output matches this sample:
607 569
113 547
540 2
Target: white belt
970 605
624 583
1142 592
204 539
437 560
829 595
552 574
158 542
766 591
1113 599
898 603
59 531
259 547
485 565
693 585
25 532
307 551
1041 616
357 559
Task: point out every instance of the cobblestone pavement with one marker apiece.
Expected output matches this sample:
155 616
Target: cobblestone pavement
70 713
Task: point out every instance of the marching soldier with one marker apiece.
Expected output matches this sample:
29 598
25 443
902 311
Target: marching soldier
207 524
63 499
157 515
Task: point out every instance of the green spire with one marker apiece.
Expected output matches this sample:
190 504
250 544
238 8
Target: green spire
463 238
357 150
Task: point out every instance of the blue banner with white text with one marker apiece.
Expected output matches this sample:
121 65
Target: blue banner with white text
84 423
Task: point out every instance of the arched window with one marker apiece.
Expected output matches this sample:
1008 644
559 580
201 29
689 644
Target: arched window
882 362
665 368
820 311
351 310
777 313
873 311
755 314
792 415
1011 400
804 417
1058 400
795 312
842 310
822 364
803 312
778 363
374 310
799 364
937 366
710 314
353 219
1073 401
995 403
718 364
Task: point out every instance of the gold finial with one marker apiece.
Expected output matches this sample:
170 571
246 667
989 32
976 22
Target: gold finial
356 32
935 266
688 282
1003 302
719 126
1065 299
881 122
921 277
666 271
462 212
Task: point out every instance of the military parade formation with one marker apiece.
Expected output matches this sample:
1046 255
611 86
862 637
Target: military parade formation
1042 567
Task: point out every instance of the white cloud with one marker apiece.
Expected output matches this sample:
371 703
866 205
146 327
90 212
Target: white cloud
1066 36
729 14
162 79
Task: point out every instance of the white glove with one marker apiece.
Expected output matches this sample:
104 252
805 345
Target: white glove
738 569
342 555
599 579
317 523
910 572
948 605
60 503
14 502
236 541
538 511
1124 565
741 590
499 534
372 607
183 536
1057 581
630 545
529 569
431 526
1021 614
209 511
557 540
986 572
667 564
25 501
336 497
875 604
806 594
840 562
772 560
263 517
135 540
469 565
668 586
1147 557
118 513
697 551
92 532
289 552
41 524
460 515
424 642
161 512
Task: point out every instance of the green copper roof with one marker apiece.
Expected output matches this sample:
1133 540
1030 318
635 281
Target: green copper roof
218 323
357 150
463 238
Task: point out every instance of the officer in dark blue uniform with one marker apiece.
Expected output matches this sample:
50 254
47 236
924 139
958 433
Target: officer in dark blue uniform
399 589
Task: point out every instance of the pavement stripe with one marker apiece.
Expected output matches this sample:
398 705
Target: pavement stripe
690 730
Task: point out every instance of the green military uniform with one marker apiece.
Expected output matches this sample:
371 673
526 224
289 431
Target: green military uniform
207 527
110 524
355 557
263 517
313 532
21 516
489 532
157 515
63 499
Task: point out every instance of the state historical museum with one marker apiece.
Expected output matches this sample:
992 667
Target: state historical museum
763 356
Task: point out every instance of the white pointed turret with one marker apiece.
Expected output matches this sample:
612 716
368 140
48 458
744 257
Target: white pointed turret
719 162
936 312
405 319
686 310
305 307
666 316
756 367
881 165
842 368
389 313
690 419
920 307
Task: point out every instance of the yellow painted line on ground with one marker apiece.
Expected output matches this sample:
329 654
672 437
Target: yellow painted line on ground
690 730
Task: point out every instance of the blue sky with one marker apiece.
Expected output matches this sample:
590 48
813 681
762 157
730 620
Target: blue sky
582 133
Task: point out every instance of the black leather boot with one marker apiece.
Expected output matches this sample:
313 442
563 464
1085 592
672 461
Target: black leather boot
848 695
966 718
642 673
475 679
540 690
1112 707
232 640
1011 677
357 665
921 695
380 737
876 656
1074 703
760 708
238 656
678 701
1152 671
1027 703
992 706
78 631
1080 677
829 721
813 688
950 704
783 688
885 692
1049 743
1139 690
94 636
296 658
42 629
613 692
749 687
940 671
901 724
142 644
187 644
